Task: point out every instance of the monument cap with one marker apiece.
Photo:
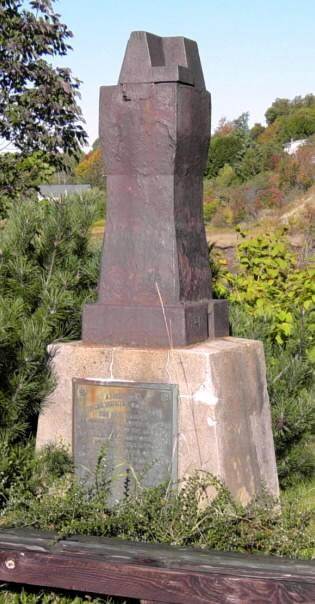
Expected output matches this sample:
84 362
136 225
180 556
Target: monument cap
155 59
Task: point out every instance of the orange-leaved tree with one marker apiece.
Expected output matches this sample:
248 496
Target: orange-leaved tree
91 169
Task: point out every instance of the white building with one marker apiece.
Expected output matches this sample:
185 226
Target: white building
292 147
58 191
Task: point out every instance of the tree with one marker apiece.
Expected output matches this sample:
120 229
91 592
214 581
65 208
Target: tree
251 162
17 172
91 169
224 127
241 122
229 144
96 144
224 150
47 271
297 125
38 101
278 108
256 130
284 109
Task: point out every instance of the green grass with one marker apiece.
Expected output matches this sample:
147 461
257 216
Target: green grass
15 595
302 496
99 223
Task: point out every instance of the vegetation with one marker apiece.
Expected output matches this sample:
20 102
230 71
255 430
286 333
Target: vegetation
41 596
91 169
46 496
249 170
47 271
294 119
49 268
272 299
39 114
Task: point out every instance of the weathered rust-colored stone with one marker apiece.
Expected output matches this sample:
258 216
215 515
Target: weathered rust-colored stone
155 282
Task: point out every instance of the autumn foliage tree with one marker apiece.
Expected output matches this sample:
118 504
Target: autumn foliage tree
91 169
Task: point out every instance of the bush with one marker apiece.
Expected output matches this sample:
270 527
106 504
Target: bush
298 170
50 499
47 271
272 299
26 475
46 496
226 176
209 209
19 173
270 284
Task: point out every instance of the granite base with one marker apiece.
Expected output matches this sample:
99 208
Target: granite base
224 422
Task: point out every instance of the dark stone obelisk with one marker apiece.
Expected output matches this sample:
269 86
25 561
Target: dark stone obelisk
155 282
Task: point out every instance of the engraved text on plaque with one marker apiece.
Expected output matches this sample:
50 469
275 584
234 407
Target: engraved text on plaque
133 425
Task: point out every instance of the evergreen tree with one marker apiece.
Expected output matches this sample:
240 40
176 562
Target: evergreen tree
47 271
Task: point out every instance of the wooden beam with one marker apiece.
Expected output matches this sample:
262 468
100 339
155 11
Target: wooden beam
155 574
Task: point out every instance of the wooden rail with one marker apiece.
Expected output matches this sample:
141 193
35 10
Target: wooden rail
152 573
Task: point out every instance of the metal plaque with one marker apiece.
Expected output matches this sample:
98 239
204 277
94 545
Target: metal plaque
126 431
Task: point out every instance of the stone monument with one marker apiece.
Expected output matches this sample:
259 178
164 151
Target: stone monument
155 284
156 380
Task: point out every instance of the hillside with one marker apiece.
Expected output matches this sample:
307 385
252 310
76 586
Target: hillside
297 217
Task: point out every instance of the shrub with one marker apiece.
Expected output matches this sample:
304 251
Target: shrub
270 284
47 271
272 299
184 516
209 209
226 176
19 173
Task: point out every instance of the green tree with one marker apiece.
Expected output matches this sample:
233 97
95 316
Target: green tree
251 161
229 144
241 122
256 130
19 171
223 150
291 119
297 125
38 101
96 144
278 108
47 271
226 176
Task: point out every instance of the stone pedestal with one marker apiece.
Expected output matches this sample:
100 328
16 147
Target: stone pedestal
224 423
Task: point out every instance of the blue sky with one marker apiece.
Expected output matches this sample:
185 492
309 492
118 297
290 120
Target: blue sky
252 51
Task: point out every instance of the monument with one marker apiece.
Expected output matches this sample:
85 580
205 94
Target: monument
156 380
155 283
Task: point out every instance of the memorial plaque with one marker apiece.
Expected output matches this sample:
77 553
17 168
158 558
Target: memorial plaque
133 424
